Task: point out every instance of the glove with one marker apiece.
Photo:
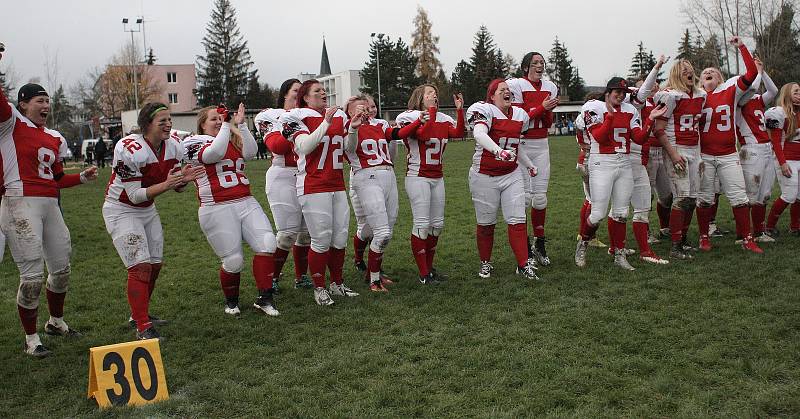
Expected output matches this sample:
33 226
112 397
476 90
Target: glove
506 155
223 110
533 171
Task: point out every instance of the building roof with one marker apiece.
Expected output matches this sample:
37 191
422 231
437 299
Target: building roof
324 65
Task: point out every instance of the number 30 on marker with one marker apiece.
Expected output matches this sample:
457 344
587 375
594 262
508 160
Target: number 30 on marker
128 373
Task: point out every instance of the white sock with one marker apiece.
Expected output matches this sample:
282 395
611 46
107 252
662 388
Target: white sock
33 340
58 322
375 276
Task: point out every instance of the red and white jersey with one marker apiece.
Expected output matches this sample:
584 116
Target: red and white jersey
652 141
221 181
268 124
682 115
372 149
135 160
320 170
626 120
504 129
717 125
582 138
790 145
426 148
751 122
31 156
527 95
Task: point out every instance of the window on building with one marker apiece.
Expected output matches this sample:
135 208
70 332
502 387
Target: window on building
172 77
173 98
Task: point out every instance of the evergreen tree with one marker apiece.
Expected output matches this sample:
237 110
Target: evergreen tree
779 48
708 54
641 63
463 76
397 73
151 58
425 48
685 48
563 73
223 73
61 112
487 63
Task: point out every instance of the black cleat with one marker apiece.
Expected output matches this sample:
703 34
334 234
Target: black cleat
153 319
38 351
360 265
678 252
52 330
438 275
149 333
428 280
540 252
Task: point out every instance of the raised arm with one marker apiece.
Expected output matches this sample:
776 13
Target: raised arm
749 76
649 83
305 143
460 128
249 145
771 89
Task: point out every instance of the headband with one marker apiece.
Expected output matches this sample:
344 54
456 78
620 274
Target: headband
157 110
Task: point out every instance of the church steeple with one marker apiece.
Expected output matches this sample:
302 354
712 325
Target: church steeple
324 65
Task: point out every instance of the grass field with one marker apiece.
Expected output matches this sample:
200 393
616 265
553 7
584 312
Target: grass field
717 336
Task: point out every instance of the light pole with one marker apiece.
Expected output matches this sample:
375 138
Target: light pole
133 56
378 62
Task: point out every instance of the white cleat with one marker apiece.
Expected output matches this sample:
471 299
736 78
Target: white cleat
653 258
528 272
764 238
621 261
652 238
486 269
232 310
322 297
580 253
341 290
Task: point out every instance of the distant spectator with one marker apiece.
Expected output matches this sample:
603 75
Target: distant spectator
262 149
100 153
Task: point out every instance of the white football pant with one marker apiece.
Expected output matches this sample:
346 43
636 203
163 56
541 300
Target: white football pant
281 189
136 233
759 171
427 198
727 171
611 180
658 174
374 191
538 151
492 192
790 187
685 184
641 195
327 216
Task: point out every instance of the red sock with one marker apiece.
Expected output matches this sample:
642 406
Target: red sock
301 255
704 215
640 234
55 303
419 248
279 259
537 219
430 249
589 230
616 231
358 246
317 263
263 270
676 224
794 213
28 316
775 212
229 283
336 264
586 208
139 294
687 221
663 215
485 238
742 217
518 238
758 213
155 269
374 261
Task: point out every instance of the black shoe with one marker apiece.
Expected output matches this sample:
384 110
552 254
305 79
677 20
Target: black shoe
40 351
55 331
428 280
360 265
438 275
266 304
795 233
678 252
153 319
774 233
149 333
540 252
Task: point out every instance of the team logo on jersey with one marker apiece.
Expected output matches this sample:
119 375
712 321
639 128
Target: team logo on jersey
773 124
290 128
192 150
124 172
589 118
264 127
477 117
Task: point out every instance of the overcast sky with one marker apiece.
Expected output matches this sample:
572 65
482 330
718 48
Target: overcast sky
285 37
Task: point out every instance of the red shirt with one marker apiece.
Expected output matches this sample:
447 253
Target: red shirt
786 147
752 125
135 160
682 115
426 146
612 134
221 181
504 129
529 96
717 127
321 169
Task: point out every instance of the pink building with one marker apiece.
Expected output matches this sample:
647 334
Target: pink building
179 83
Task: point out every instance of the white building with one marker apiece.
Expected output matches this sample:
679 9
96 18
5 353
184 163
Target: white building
341 86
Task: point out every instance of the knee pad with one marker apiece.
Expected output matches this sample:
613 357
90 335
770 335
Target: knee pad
685 204
619 214
268 244
528 199
539 201
285 239
58 281
641 217
364 232
30 287
380 240
436 231
421 232
233 263
303 239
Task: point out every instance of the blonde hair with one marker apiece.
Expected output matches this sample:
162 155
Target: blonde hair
675 81
785 102
202 117
418 95
351 101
